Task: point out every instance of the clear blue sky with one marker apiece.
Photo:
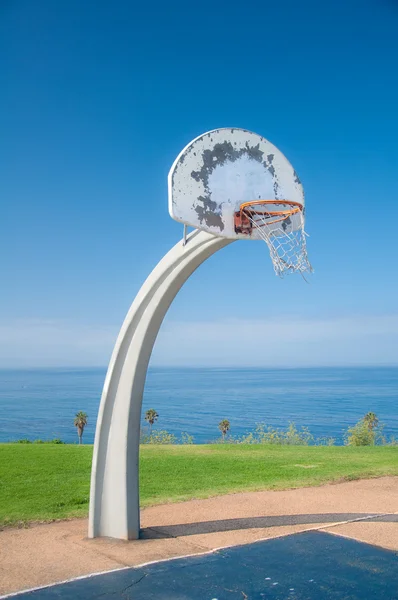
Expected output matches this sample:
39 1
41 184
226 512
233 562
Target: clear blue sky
98 98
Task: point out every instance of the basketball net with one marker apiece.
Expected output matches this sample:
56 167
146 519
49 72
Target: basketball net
283 232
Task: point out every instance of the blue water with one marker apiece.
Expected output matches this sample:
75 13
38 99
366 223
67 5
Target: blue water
42 403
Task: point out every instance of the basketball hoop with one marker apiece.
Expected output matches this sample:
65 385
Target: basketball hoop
280 223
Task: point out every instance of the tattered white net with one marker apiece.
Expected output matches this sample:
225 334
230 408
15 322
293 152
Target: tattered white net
285 238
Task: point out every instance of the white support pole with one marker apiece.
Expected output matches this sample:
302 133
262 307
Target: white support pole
114 494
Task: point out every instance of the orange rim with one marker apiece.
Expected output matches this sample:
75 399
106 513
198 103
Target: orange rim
295 207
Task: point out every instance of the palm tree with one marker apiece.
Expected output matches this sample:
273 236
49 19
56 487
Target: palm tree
151 416
371 420
224 427
80 423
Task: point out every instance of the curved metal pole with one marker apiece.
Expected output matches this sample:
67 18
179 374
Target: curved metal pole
114 494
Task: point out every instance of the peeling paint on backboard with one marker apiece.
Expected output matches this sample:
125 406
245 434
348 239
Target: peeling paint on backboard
220 170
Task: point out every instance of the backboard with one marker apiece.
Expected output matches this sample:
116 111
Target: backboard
222 169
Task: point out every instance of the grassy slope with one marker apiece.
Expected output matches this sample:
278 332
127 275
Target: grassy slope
43 482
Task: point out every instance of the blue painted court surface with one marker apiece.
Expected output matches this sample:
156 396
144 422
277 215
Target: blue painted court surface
305 566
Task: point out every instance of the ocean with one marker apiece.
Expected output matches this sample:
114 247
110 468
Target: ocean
41 404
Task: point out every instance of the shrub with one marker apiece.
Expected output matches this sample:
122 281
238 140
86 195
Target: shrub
267 435
161 437
164 437
325 441
361 434
393 441
295 437
186 439
39 441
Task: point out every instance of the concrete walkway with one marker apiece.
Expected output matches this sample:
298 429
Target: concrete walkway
366 510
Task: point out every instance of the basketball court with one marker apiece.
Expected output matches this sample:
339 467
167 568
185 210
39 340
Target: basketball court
332 542
310 565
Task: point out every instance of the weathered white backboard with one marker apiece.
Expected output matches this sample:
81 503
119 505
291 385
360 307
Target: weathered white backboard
220 170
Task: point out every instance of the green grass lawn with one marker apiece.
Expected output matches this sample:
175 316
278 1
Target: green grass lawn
45 482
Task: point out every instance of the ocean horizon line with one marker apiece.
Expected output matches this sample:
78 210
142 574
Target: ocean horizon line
208 367
41 402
